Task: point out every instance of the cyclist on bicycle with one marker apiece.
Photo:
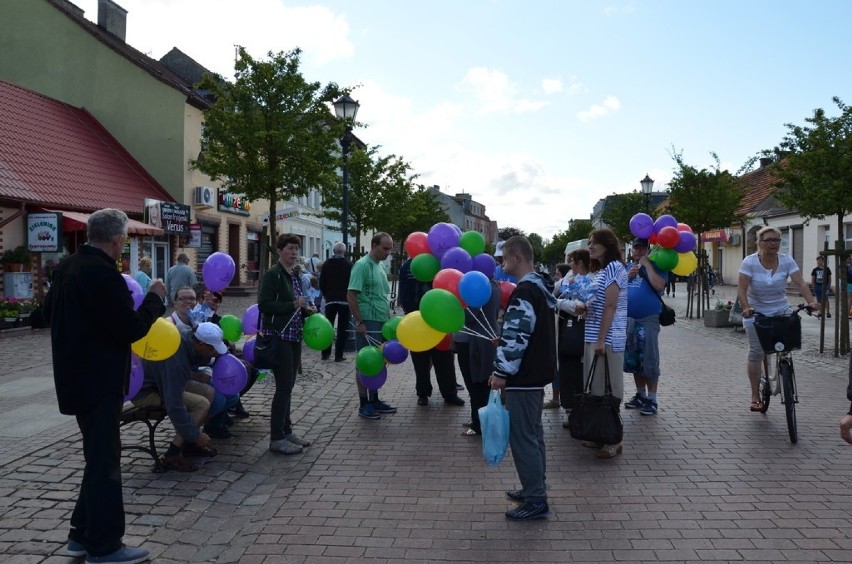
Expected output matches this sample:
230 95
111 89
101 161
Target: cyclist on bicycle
762 287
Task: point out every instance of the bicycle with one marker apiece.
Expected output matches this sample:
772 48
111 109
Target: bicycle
780 335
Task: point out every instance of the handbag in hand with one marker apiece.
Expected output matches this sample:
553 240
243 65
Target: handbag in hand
596 418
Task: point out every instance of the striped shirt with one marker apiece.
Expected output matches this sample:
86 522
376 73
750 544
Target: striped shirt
616 337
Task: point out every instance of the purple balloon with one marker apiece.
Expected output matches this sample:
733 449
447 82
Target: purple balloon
250 316
484 263
135 290
248 350
664 221
641 225
374 382
218 271
229 375
475 289
457 229
686 243
137 376
457 258
442 237
394 352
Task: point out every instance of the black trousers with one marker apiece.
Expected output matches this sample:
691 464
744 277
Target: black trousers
445 372
285 378
570 379
479 392
332 311
97 521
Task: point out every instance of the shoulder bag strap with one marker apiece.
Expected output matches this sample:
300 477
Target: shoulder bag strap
656 294
591 374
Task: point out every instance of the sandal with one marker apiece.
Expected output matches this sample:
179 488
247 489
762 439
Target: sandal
757 406
469 433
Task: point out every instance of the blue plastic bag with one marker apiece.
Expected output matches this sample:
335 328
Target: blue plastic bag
494 421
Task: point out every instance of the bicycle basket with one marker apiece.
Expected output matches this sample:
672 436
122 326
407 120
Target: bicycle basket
784 331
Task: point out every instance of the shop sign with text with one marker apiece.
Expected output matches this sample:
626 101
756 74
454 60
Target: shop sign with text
43 232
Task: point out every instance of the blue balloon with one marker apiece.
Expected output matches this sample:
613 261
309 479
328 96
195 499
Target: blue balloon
475 289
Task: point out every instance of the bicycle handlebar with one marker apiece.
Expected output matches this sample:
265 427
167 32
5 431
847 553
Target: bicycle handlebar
796 310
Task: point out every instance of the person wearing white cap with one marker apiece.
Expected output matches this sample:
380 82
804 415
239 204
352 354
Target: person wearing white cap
499 275
165 383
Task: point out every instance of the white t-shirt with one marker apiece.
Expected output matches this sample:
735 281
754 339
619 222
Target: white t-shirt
767 291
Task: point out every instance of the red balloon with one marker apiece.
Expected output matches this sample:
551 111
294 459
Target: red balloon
506 289
416 243
684 227
668 237
445 343
653 239
448 279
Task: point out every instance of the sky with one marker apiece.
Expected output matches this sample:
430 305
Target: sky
539 108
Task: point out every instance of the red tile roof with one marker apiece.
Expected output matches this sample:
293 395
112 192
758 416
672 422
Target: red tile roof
57 155
759 185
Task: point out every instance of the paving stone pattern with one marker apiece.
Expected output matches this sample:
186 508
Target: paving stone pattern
703 480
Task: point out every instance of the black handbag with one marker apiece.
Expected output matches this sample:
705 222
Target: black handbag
596 418
572 333
667 314
266 351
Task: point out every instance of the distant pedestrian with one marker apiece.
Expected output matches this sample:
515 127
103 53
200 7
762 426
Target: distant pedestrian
93 324
524 365
368 301
849 284
334 283
143 275
821 282
313 264
180 275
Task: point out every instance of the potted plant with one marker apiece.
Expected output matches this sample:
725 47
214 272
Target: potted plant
9 311
18 259
718 316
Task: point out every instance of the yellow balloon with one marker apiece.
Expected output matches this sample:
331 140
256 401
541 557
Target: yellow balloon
161 342
415 335
686 264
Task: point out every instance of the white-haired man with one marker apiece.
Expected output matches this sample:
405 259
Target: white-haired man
334 283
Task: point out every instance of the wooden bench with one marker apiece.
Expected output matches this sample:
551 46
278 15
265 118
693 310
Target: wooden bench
152 417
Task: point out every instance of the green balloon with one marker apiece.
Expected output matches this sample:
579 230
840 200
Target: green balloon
425 266
473 242
442 311
665 259
232 328
369 361
318 332
389 328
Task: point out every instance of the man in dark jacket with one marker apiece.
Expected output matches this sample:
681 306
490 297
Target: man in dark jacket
846 422
334 282
92 326
525 364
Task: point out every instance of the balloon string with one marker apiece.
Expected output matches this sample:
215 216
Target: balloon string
372 340
488 330
472 333
292 317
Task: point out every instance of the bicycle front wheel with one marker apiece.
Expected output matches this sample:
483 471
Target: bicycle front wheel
765 388
785 372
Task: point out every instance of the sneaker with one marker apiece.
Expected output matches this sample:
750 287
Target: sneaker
240 412
454 400
75 549
460 388
591 444
124 555
609 451
528 511
565 418
382 407
550 404
297 440
422 400
192 450
650 408
284 447
515 495
636 403
367 411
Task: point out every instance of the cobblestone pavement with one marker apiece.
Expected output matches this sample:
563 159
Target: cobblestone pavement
703 480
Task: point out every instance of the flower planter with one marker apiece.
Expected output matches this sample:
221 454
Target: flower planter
717 318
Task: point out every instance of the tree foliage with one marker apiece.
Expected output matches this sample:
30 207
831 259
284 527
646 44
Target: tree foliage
507 232
704 199
554 250
815 165
270 133
619 209
537 244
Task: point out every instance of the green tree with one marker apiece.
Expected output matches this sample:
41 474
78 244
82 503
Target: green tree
507 232
704 199
418 210
815 178
270 134
619 209
554 250
537 244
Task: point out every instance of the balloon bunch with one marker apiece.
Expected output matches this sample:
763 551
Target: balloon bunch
673 242
459 269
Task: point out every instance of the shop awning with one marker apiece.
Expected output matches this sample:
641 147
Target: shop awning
715 236
77 221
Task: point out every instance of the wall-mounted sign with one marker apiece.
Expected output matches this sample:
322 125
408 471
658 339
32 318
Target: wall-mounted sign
194 241
253 236
233 203
44 230
168 216
281 215
714 236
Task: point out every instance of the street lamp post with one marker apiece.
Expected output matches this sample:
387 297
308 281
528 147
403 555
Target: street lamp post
647 186
346 108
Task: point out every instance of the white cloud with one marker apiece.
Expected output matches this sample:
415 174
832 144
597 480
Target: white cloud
623 9
610 104
551 85
495 93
